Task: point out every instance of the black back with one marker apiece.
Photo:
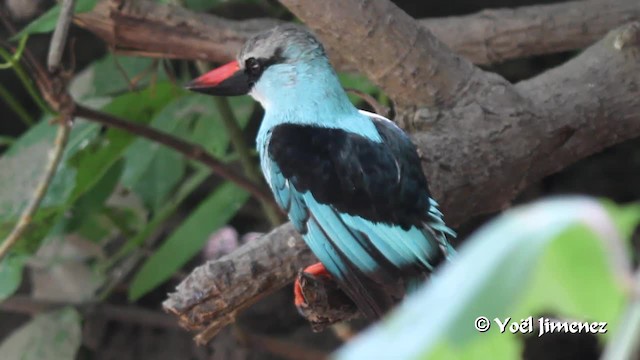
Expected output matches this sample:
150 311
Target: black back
381 182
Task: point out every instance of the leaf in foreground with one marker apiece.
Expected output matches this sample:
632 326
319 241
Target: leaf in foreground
188 239
50 336
530 259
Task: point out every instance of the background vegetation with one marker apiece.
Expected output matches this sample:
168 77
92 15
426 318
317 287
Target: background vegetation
125 218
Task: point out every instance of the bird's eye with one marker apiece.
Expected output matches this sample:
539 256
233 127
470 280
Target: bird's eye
253 66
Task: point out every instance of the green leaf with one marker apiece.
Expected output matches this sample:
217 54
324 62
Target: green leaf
47 21
112 74
530 260
192 182
209 131
92 203
153 170
51 336
358 82
39 227
188 239
140 107
11 274
23 165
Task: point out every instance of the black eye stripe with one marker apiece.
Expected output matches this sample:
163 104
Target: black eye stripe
255 67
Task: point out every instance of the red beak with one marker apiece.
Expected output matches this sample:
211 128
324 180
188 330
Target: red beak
227 80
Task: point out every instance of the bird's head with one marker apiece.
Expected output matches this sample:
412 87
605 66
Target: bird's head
276 59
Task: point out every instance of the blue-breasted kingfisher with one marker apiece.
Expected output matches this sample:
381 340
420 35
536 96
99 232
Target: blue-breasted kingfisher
350 181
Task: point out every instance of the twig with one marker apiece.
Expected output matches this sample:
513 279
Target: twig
147 235
24 78
377 107
55 155
286 349
246 160
15 105
236 136
147 28
59 38
125 314
64 127
211 296
192 151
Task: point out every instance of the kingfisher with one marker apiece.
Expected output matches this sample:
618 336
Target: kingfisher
350 180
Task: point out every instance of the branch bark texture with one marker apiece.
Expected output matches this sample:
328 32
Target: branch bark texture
213 294
482 138
496 35
146 28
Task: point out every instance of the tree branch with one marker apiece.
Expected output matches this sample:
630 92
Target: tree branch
149 29
168 31
211 296
126 314
492 141
496 35
191 151
504 136
55 155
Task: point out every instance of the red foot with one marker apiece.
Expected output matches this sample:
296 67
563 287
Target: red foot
316 269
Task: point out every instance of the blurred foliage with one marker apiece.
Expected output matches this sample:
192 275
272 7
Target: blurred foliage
47 21
554 258
49 336
118 199
86 197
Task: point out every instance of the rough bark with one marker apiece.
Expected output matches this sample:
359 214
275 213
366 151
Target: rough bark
482 139
493 140
496 35
149 29
214 293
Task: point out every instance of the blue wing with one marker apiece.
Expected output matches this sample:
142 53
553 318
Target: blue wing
362 207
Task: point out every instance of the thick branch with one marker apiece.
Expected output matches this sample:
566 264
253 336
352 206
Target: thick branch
496 140
493 36
167 31
502 138
407 61
214 293
150 29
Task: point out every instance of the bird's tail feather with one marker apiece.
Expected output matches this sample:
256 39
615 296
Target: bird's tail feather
376 264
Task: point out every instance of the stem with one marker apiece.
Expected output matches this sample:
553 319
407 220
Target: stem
59 38
6 140
191 151
249 167
160 218
15 106
55 156
26 81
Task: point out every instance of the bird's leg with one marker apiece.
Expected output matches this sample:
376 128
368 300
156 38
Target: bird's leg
320 300
314 270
